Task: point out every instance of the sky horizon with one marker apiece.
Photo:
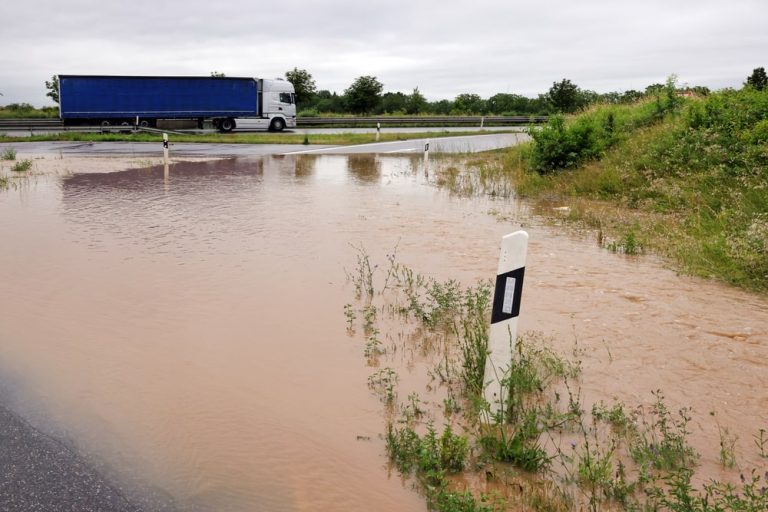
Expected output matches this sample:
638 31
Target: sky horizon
445 49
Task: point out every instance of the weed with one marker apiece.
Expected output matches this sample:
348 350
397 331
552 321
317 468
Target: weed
349 313
22 166
661 443
727 447
679 495
383 382
614 415
432 457
8 154
761 441
373 346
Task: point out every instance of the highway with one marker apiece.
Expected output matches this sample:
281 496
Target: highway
459 144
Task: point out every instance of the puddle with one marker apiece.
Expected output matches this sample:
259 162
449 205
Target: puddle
189 329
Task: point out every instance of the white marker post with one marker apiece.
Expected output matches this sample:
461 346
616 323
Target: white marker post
482 122
426 155
165 148
506 309
378 131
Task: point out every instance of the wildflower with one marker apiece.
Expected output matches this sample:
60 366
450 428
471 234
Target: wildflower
573 445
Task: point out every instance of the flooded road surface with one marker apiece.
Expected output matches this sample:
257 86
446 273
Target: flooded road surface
187 333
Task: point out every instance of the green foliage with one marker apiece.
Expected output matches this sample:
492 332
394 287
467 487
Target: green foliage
25 110
430 456
467 104
520 446
661 442
52 86
8 154
679 495
564 96
364 95
758 80
22 166
416 103
303 84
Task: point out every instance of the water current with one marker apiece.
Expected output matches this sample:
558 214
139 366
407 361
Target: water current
186 331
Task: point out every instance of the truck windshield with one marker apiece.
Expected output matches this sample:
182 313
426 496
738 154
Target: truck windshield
286 97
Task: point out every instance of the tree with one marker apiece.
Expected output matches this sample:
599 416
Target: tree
469 104
53 88
416 102
392 102
758 79
564 96
303 84
364 94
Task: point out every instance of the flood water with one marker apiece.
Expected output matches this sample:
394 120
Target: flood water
187 333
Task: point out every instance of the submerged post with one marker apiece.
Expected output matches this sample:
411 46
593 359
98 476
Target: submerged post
165 148
506 308
426 156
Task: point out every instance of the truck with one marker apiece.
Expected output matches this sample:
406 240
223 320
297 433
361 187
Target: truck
145 100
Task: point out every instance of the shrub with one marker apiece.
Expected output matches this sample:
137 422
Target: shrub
8 154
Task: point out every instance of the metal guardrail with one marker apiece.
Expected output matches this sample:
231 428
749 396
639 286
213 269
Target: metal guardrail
413 121
421 120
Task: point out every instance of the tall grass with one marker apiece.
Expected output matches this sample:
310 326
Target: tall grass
689 179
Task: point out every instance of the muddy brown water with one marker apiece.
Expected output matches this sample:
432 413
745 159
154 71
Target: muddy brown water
187 331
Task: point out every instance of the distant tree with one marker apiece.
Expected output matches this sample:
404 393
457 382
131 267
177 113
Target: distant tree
758 79
416 102
53 88
654 88
564 96
303 84
217 74
392 102
469 104
630 96
326 101
440 107
364 94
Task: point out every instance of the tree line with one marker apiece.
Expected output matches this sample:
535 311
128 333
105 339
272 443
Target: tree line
366 96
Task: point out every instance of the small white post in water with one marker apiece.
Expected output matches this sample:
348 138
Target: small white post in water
378 131
506 308
482 122
426 158
165 148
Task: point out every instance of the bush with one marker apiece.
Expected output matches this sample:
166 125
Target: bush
309 112
8 154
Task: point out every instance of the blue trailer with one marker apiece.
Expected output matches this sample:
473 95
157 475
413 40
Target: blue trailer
143 100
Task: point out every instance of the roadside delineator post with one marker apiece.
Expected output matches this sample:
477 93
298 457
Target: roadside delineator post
165 156
378 131
482 122
165 148
426 156
506 309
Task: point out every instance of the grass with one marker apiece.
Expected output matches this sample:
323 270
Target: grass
682 178
621 460
22 166
241 138
8 154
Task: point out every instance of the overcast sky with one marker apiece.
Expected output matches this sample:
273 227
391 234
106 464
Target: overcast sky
443 47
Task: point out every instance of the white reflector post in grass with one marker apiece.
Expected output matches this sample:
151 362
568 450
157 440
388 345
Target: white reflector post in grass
506 309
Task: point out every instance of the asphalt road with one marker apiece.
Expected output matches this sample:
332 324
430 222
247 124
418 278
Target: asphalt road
462 144
39 473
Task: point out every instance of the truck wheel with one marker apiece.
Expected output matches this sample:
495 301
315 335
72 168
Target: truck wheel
144 123
278 124
105 123
227 125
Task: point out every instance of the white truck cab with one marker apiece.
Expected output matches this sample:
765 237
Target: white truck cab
277 107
